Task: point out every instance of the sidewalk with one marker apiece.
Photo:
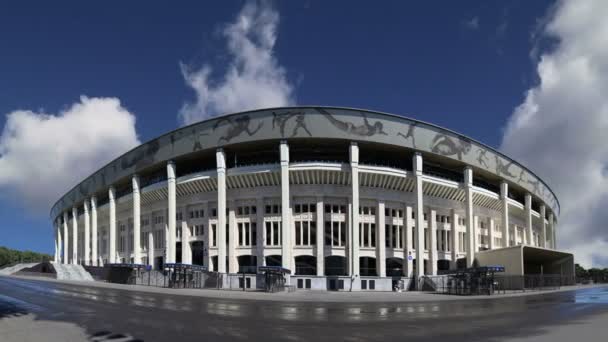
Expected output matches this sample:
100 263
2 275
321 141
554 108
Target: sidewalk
304 295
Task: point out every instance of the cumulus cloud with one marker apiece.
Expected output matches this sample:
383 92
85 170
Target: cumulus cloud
44 155
560 128
472 24
253 78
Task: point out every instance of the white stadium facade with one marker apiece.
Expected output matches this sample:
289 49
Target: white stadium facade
328 193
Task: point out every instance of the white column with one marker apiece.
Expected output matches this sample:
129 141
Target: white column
94 238
471 233
112 235
233 264
354 219
208 238
136 220
221 211
186 247
380 243
285 209
55 240
320 237
455 242
59 241
74 236
87 234
433 242
476 233
66 239
151 248
419 216
553 234
260 231
491 234
543 238
410 243
171 198
528 213
504 197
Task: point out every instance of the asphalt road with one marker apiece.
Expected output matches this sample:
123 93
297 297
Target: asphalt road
163 317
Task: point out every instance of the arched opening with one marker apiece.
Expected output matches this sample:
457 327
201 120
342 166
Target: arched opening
367 267
178 252
335 266
394 267
214 262
274 260
248 263
306 265
443 265
198 252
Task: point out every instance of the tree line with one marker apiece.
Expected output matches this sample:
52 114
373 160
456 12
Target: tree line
9 256
597 275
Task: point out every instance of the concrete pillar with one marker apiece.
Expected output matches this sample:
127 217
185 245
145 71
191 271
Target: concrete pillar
66 239
186 247
455 239
74 236
320 237
504 197
220 158
553 234
112 223
59 241
260 231
432 223
476 231
286 226
208 238
87 234
354 218
94 238
419 216
380 243
136 221
171 206
55 240
410 243
528 213
151 248
233 264
491 234
471 233
543 224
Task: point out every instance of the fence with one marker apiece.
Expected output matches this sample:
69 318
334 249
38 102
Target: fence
498 284
175 279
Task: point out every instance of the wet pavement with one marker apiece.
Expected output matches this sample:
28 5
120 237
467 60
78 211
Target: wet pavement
164 317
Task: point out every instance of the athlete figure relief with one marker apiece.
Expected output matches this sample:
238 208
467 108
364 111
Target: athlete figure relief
444 145
280 119
482 157
410 134
237 127
365 130
503 169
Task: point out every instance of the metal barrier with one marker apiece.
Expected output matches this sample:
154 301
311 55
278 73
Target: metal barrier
498 284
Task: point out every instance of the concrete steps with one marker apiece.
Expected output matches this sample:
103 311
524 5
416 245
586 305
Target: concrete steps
16 268
71 272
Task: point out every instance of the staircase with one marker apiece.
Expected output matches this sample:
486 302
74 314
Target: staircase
16 268
71 272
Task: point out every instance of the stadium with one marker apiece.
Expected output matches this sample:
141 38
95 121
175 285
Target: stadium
339 198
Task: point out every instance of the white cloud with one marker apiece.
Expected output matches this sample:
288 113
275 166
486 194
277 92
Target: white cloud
44 155
253 78
472 23
560 130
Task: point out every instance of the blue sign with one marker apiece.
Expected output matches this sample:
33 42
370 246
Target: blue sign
410 258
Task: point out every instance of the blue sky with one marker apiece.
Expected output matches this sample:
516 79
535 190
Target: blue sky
463 65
